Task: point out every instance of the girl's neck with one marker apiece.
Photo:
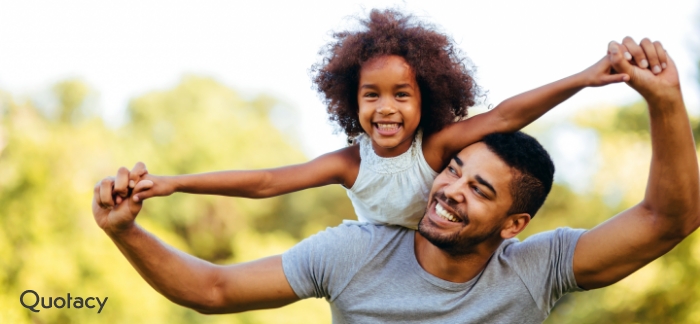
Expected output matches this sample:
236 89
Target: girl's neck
390 152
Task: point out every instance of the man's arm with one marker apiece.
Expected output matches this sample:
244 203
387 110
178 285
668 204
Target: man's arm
516 112
182 278
670 210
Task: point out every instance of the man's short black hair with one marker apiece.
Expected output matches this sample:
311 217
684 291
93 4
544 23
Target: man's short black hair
535 170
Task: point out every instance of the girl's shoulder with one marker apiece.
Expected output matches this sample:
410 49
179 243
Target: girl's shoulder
346 161
350 154
433 150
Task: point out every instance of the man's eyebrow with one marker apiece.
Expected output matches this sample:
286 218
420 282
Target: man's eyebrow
481 180
458 161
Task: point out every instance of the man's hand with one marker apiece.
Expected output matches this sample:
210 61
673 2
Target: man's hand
112 209
653 84
180 277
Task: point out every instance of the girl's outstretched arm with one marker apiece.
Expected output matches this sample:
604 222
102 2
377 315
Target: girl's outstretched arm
339 167
514 113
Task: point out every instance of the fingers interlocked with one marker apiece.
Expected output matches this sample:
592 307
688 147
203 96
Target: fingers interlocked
103 193
646 54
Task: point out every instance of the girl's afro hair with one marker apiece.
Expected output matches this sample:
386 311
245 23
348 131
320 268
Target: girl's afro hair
446 85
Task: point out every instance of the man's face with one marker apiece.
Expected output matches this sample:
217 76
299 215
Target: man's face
469 201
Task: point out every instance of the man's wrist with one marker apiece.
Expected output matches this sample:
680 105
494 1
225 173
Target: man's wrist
663 98
121 231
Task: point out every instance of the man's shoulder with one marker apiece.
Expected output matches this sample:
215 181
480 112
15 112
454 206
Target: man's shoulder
543 263
541 242
323 264
350 231
356 236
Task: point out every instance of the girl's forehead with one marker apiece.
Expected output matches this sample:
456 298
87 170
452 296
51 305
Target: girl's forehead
387 64
384 61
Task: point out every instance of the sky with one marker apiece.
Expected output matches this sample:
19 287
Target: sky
128 48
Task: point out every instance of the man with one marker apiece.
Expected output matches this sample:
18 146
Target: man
462 265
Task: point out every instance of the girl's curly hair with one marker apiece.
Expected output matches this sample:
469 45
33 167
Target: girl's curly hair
446 85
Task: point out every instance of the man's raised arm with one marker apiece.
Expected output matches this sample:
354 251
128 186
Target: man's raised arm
182 278
670 210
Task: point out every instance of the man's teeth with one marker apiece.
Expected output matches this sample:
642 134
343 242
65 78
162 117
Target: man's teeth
387 127
444 214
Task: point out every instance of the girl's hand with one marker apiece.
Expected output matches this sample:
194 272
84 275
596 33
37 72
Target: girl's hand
161 186
649 57
602 73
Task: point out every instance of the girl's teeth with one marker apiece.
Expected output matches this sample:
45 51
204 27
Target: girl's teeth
387 127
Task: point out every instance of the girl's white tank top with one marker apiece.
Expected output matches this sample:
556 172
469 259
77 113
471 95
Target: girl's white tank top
392 190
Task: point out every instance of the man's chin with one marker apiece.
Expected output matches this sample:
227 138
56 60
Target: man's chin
443 241
456 243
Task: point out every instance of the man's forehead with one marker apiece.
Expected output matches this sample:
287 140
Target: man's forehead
479 159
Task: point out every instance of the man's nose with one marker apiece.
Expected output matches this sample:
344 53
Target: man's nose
455 191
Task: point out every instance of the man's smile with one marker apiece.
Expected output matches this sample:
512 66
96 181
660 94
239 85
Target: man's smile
441 213
444 214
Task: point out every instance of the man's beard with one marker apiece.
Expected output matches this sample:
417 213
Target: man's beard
454 244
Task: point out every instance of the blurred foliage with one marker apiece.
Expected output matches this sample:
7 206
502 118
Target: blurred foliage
51 156
666 290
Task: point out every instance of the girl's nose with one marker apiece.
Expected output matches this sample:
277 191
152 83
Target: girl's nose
386 110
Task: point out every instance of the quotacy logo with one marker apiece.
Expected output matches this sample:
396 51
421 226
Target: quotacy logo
31 303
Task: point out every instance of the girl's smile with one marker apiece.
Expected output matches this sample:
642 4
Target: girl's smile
387 129
389 104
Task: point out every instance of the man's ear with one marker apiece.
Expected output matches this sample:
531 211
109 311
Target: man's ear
514 224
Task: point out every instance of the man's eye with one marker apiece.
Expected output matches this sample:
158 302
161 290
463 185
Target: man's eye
451 170
479 192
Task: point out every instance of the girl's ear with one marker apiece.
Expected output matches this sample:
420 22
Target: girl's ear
515 224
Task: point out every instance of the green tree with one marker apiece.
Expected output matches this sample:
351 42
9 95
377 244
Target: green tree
665 291
50 157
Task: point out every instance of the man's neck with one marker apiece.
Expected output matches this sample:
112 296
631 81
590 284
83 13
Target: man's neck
452 268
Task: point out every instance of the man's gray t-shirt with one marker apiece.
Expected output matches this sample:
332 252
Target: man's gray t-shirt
369 274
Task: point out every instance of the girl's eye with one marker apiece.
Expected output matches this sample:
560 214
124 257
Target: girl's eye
452 170
402 94
370 95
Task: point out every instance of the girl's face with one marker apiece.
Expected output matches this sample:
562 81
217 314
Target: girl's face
389 104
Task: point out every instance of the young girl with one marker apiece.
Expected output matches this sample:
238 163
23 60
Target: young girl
401 90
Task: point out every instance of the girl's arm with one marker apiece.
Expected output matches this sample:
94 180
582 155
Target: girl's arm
339 167
515 112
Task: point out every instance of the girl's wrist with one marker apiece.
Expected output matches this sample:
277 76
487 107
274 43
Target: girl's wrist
582 80
174 183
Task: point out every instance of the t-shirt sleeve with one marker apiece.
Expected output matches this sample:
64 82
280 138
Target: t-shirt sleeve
544 262
322 265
